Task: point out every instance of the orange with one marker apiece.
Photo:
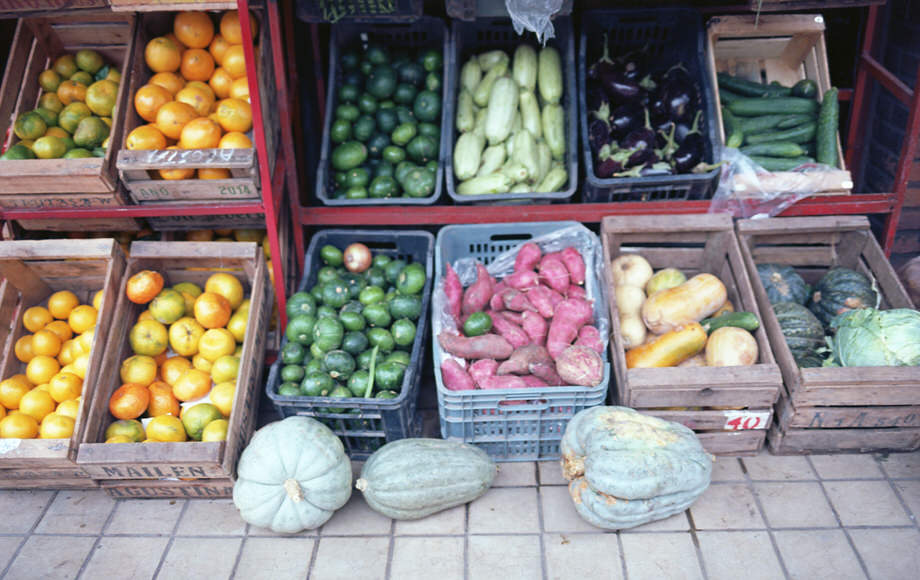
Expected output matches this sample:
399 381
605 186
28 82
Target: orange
12 390
199 98
36 318
175 40
222 395
221 82
60 328
230 27
56 426
80 365
37 404
162 400
2 411
212 310
228 286
184 335
173 367
237 324
61 303
173 174
234 115
138 369
145 315
206 173
168 306
162 55
18 426
193 29
204 87
85 340
71 91
225 368
40 369
201 363
169 81
215 431
129 401
145 137
160 359
65 386
235 140
218 47
148 99
216 343
97 300
23 348
70 408
120 439
148 337
166 428
131 429
197 64
45 342
192 385
69 350
82 318
196 417
173 116
234 62
201 133
143 286
240 89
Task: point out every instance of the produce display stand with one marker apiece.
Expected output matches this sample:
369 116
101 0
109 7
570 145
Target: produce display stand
730 408
32 271
169 465
833 409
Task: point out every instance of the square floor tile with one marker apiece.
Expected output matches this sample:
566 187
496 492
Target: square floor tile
847 466
778 467
211 517
452 521
726 506
502 511
275 558
901 465
579 556
794 504
727 553
727 469
889 553
910 493
814 554
153 516
675 523
134 558
59 557
551 473
504 557
8 547
656 556
866 503
211 558
77 512
21 509
356 518
425 557
352 558
515 473
559 514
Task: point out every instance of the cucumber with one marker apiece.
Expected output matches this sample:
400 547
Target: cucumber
734 137
484 88
787 105
488 60
525 152
826 138
727 96
780 163
791 121
774 150
746 320
801 134
503 102
751 125
554 130
470 75
494 183
549 75
751 89
805 88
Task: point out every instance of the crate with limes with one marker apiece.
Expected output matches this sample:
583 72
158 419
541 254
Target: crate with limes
188 133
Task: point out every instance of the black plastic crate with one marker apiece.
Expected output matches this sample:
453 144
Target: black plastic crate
367 10
367 423
484 34
668 36
425 32
473 9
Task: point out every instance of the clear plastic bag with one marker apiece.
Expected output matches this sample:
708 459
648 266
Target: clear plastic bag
535 15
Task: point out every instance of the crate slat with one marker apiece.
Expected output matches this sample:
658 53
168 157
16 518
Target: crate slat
199 488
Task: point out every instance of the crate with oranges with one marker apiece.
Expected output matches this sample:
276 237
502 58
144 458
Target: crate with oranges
188 133
183 363
57 300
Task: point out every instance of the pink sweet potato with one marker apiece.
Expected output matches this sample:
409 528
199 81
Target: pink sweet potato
520 360
574 264
570 316
590 336
516 300
483 369
542 299
575 291
515 317
527 257
454 291
503 382
535 327
553 272
522 280
475 347
534 382
496 302
509 330
477 294
546 371
455 378
579 365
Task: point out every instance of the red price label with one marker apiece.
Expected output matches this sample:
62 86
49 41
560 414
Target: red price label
742 420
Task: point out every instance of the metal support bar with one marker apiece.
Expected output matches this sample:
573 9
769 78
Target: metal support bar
902 173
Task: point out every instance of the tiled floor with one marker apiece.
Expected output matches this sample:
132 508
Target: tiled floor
845 516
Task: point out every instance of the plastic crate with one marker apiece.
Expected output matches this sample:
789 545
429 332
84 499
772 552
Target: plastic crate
668 36
511 424
425 32
473 9
368 423
366 10
485 34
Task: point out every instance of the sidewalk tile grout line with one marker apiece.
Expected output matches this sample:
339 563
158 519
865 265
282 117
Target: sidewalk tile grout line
544 567
28 534
99 536
766 520
391 549
171 541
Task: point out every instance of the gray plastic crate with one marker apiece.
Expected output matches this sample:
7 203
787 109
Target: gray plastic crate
424 32
469 38
365 10
511 424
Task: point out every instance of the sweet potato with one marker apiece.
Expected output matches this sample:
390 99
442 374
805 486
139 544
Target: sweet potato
579 365
553 272
574 263
496 302
455 378
475 347
509 330
544 300
515 317
477 294
521 359
528 257
570 316
590 336
546 371
575 291
535 327
522 280
454 291
534 382
483 369
516 300
503 382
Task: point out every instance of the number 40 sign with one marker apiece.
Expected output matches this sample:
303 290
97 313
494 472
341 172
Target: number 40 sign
743 420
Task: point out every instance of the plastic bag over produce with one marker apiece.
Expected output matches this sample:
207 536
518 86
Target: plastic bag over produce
534 15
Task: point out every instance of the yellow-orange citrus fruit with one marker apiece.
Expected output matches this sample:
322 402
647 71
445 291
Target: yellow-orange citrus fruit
193 29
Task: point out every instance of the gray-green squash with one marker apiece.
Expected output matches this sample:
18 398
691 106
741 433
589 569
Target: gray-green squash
409 479
626 469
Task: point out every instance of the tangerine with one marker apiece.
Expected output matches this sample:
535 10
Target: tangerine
162 55
45 342
227 285
166 428
234 115
222 395
240 89
173 174
70 91
148 99
129 401
173 116
37 404
65 386
36 318
197 64
40 369
61 303
169 81
139 369
12 390
192 385
143 286
199 98
55 426
23 348
193 29
162 400
208 173
18 425
235 140
82 318
234 61
145 137
130 429
70 408
60 328
212 310
230 27
218 47
201 133
216 343
173 367
221 82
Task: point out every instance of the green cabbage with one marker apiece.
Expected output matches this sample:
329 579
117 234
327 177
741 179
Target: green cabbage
871 338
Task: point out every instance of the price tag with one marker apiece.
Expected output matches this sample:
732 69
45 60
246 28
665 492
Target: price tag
742 420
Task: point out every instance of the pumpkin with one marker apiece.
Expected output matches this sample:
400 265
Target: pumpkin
803 331
292 476
626 469
841 289
782 283
409 479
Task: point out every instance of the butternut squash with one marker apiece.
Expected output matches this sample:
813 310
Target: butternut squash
669 349
692 301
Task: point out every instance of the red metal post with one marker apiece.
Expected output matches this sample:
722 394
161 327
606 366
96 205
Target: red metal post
902 173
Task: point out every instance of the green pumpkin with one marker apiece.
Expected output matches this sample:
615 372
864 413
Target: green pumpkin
803 331
841 289
782 283
627 469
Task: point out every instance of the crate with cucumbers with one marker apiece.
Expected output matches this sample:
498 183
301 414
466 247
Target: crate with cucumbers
511 127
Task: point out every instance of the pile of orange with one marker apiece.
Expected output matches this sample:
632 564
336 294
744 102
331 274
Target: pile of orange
180 382
198 96
44 401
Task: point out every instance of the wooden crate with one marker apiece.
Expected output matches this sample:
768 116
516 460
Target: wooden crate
156 5
39 478
730 408
207 222
37 183
780 47
27 6
136 167
181 262
833 409
32 271
159 489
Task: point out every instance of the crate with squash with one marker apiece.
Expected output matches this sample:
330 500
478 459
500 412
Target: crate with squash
686 339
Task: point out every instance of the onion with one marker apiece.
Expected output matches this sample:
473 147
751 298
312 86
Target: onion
357 257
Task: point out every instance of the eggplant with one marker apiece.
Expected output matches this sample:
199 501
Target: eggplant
598 134
604 64
641 138
634 65
641 157
624 119
619 88
690 152
595 97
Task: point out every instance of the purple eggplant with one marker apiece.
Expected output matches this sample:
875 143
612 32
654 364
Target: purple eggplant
691 150
642 156
604 64
619 88
634 65
595 97
624 119
641 138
